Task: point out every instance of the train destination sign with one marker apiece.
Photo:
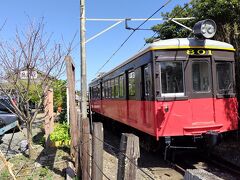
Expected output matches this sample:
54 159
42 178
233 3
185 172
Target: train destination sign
199 52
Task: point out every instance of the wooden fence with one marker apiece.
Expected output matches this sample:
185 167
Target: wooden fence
92 151
87 148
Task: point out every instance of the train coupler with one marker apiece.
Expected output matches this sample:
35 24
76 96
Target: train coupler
212 138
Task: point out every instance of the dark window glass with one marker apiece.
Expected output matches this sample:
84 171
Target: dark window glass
200 76
109 89
116 87
172 77
91 92
94 92
224 77
105 89
98 92
131 83
121 80
147 81
112 88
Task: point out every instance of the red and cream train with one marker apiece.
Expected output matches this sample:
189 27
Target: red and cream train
183 87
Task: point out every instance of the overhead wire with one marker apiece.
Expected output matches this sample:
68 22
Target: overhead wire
186 5
131 35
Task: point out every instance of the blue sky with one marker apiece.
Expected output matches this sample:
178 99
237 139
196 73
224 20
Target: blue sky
62 19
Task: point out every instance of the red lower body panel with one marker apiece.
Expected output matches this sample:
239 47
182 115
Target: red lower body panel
172 118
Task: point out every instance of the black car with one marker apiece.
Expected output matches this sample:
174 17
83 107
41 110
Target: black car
8 120
5 104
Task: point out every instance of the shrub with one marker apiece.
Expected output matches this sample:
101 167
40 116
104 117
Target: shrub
60 133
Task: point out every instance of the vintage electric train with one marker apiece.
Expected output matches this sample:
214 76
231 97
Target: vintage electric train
183 87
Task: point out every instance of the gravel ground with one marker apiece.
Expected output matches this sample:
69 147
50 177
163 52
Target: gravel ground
150 165
229 150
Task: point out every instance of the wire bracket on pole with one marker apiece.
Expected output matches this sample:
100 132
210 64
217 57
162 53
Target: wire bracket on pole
130 28
188 28
120 20
105 30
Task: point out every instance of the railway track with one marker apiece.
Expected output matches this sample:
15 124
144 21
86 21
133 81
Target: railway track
223 164
212 164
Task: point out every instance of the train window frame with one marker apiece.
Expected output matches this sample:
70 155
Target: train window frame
102 88
170 95
209 76
116 87
109 88
105 89
121 88
131 74
112 89
99 91
145 79
225 91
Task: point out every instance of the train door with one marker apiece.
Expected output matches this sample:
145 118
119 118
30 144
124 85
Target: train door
147 95
202 94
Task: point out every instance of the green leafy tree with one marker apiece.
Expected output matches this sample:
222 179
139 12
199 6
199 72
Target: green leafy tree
226 14
59 93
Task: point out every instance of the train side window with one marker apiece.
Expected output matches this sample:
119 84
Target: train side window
105 89
172 81
116 87
121 83
147 80
131 83
200 76
112 88
90 91
224 77
109 89
102 88
99 91
94 92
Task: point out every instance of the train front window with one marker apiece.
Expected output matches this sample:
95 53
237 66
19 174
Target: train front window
171 79
224 77
200 76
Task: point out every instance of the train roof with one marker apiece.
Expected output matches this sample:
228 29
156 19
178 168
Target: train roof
176 43
183 43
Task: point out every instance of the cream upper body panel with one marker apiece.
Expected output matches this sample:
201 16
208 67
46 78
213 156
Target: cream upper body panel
183 43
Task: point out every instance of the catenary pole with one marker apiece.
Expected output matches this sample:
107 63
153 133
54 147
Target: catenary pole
83 60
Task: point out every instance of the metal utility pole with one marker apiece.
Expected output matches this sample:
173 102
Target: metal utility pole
83 60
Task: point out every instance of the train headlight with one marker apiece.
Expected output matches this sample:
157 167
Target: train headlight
205 29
